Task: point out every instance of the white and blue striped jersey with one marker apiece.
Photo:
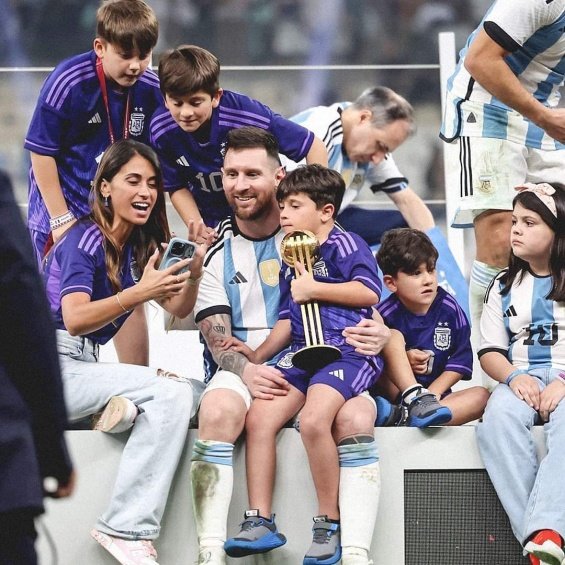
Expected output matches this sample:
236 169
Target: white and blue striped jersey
524 325
325 122
532 31
241 279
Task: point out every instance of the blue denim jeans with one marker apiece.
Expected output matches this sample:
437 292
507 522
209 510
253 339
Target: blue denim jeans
530 491
154 447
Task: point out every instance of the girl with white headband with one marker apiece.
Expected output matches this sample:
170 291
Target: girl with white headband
523 348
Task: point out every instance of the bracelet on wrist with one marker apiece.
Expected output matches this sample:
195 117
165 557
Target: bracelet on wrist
513 375
120 303
194 282
63 219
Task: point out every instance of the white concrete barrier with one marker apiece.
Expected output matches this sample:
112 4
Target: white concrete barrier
96 457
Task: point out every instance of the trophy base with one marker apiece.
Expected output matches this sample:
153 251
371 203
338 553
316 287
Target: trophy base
315 357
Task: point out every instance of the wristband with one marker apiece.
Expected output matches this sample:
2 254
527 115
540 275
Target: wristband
120 303
513 375
63 219
194 282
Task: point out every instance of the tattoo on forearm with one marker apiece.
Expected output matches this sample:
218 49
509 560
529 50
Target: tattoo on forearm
215 330
231 361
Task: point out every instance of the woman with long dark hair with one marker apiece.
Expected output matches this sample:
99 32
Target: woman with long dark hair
102 268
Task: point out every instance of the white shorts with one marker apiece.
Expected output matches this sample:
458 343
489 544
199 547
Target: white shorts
230 381
486 170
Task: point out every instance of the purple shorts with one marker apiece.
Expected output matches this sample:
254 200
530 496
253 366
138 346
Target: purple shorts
350 376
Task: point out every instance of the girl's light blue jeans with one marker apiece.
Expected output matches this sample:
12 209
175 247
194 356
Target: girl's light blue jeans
530 491
154 447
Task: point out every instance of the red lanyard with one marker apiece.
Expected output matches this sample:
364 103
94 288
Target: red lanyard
104 89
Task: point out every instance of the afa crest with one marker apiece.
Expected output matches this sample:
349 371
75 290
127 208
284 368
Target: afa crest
269 271
442 337
358 180
286 361
136 122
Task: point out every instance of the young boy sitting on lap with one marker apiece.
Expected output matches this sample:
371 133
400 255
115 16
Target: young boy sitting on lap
435 329
345 284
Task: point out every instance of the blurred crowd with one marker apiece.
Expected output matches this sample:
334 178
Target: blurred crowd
261 32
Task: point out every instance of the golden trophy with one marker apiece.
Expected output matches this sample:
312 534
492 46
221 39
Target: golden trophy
303 246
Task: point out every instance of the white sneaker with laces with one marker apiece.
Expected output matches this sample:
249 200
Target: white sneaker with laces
118 416
127 552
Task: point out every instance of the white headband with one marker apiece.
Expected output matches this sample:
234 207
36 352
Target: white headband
543 191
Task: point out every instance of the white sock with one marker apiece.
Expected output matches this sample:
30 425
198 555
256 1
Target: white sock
411 393
359 491
211 475
481 276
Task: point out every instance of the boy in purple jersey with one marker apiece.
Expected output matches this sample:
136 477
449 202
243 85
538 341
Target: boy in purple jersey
190 138
85 104
435 329
346 285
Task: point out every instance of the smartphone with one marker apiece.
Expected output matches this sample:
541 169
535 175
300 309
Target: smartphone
177 250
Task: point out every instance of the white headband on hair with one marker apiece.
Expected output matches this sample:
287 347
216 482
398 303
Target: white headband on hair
543 191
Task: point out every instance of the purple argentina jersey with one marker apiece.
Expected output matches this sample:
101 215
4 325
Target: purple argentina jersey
344 257
70 124
77 264
444 331
191 163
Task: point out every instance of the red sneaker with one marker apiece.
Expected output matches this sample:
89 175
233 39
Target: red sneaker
545 548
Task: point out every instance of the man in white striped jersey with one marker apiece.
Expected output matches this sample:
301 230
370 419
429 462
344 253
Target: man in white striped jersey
239 295
360 137
502 124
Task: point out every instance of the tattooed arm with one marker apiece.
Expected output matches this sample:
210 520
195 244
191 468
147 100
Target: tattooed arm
216 329
262 381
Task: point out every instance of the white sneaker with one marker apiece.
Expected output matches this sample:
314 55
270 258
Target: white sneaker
127 552
212 555
118 416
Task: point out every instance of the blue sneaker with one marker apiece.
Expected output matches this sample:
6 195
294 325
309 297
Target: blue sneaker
326 543
389 414
257 535
425 410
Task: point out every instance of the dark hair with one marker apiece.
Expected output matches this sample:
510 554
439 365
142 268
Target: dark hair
250 137
405 249
386 106
188 69
320 184
144 239
517 267
129 24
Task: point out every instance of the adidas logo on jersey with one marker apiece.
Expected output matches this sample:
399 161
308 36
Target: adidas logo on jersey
337 373
96 119
238 279
510 311
183 161
472 119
